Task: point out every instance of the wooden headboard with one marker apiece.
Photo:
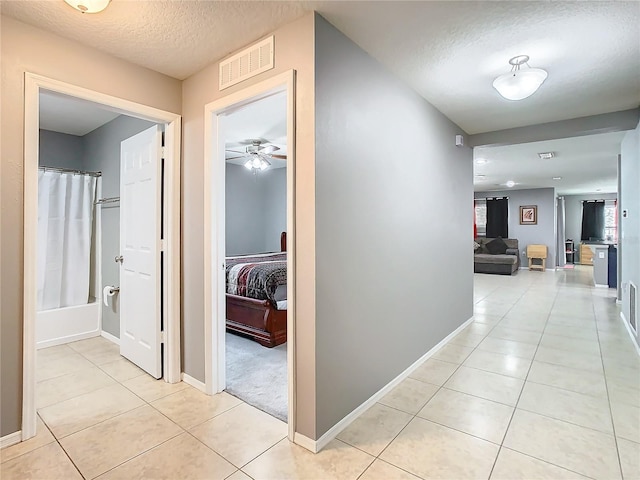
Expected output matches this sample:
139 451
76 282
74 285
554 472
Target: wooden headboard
283 242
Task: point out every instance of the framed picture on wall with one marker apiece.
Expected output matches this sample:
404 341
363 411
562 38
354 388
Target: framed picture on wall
529 215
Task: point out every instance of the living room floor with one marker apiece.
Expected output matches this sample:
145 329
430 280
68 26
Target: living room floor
544 383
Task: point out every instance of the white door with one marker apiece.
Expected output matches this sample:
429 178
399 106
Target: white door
140 279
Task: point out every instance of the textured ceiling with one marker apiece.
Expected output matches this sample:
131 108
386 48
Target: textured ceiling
450 52
586 164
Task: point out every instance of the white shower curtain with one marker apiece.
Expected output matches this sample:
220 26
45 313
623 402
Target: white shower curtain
65 215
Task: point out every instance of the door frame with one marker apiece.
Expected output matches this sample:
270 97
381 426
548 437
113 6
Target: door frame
171 269
214 232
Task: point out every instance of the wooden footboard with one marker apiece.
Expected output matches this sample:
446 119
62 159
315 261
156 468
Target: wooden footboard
258 319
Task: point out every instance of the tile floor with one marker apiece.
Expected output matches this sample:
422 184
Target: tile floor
545 383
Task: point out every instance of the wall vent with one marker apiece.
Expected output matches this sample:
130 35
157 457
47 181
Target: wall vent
248 63
633 306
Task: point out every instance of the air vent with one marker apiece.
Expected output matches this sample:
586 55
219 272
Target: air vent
248 63
633 306
546 155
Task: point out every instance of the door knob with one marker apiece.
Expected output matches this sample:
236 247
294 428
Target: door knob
119 258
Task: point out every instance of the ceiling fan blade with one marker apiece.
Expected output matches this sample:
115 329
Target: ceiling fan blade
281 157
267 149
233 158
235 151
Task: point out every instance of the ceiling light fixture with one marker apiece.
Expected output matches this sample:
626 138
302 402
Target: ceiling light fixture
480 176
519 83
557 178
546 155
256 163
88 6
481 161
510 183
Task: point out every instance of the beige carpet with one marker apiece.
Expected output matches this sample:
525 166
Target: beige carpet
257 374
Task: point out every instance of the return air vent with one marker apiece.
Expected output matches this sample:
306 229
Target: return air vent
633 306
248 63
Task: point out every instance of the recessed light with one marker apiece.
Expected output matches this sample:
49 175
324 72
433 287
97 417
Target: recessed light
480 176
598 189
510 183
546 155
557 178
481 161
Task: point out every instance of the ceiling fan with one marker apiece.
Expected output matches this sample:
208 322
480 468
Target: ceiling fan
257 152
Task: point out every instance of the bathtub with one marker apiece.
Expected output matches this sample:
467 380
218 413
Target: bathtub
67 324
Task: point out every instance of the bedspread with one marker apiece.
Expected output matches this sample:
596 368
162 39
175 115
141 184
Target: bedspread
256 276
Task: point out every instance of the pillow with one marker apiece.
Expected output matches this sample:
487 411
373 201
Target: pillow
496 246
476 247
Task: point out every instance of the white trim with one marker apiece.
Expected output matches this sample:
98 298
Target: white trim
631 333
189 380
111 338
32 85
11 439
333 432
214 255
601 285
68 339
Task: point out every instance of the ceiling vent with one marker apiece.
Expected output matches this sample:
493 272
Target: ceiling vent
248 63
546 155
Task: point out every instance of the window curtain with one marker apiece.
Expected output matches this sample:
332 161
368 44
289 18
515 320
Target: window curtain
592 220
65 216
497 217
562 234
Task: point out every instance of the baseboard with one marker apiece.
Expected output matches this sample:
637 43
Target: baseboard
68 339
631 332
111 338
188 379
333 432
11 439
601 285
305 442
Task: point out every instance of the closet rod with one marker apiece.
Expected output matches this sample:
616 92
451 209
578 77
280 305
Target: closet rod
107 200
70 170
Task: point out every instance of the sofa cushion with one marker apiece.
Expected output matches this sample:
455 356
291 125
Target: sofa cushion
497 246
495 259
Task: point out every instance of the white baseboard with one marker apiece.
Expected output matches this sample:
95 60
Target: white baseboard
111 338
188 379
317 445
11 439
631 332
601 285
68 339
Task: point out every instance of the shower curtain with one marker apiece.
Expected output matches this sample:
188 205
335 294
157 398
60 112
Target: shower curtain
65 215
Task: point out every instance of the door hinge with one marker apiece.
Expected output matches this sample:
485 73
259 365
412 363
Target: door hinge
162 338
162 152
162 245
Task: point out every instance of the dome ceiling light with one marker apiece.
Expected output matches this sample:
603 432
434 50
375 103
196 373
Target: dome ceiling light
519 83
88 6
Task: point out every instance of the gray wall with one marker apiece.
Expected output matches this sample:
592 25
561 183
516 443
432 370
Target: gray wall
544 233
573 214
60 150
102 153
256 209
393 226
630 225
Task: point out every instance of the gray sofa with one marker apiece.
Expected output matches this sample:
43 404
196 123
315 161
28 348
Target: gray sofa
503 264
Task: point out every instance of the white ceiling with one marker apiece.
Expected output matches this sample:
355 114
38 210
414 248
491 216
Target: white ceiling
265 119
586 164
64 114
450 52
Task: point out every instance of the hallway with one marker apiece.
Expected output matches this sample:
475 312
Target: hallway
545 383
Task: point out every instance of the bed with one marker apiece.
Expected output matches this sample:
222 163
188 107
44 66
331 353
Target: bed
256 295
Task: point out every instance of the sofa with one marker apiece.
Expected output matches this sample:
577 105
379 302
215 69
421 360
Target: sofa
506 263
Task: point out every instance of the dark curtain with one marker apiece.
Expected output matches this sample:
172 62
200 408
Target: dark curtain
497 217
592 220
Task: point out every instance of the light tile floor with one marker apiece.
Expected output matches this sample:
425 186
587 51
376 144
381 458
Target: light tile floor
545 383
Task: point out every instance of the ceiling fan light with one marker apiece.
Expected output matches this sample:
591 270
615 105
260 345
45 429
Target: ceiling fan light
519 84
88 6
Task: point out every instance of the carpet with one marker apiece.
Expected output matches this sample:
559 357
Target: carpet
257 374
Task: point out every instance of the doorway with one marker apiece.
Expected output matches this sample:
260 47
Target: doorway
168 269
219 305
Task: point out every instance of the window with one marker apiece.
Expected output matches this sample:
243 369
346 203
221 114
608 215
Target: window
611 221
481 217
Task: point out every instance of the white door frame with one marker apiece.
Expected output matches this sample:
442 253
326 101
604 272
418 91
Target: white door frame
171 269
214 231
